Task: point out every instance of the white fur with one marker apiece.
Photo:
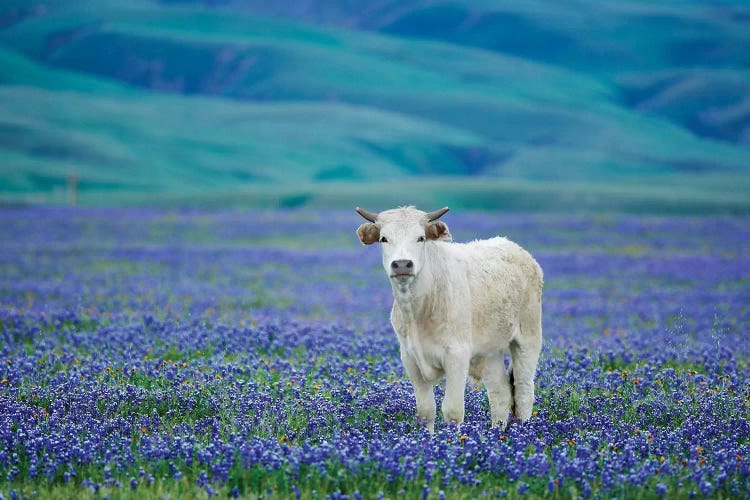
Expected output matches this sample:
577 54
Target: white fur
467 305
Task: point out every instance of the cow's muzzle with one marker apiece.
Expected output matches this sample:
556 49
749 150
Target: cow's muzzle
402 268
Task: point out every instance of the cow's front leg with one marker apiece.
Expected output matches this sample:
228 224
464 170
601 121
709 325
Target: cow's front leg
423 393
456 366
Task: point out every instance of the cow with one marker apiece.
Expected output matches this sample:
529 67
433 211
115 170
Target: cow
458 310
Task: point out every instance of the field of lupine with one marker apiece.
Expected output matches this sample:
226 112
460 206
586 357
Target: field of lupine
176 354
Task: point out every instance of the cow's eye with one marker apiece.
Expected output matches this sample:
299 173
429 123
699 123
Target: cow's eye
383 239
420 239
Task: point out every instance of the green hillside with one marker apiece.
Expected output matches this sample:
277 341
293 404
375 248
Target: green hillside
159 104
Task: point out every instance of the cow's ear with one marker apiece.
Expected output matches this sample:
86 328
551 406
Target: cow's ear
368 233
438 231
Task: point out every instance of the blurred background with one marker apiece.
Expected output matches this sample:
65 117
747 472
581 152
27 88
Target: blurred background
554 105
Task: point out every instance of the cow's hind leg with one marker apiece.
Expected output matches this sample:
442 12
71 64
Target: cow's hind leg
524 352
498 389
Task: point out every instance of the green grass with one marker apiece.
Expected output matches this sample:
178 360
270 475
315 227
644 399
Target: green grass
701 194
256 483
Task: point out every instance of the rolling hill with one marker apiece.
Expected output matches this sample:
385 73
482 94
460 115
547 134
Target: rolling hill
181 102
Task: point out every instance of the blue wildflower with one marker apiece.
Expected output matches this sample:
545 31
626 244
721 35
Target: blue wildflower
661 489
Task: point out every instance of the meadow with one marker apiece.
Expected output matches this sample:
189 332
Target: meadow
186 354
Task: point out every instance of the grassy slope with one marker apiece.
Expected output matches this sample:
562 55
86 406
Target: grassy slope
684 60
334 105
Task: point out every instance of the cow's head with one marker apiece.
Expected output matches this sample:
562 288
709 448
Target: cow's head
403 234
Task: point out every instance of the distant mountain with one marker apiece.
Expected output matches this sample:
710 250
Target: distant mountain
688 61
512 105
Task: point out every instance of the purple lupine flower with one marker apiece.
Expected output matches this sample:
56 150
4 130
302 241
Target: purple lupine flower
551 485
706 487
637 327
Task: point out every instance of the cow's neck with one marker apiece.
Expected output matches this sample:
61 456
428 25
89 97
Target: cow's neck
411 296
418 303
410 299
428 294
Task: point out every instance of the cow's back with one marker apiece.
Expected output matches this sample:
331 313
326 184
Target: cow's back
503 278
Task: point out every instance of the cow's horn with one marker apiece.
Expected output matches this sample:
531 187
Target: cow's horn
431 216
367 215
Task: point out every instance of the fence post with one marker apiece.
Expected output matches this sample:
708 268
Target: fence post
73 188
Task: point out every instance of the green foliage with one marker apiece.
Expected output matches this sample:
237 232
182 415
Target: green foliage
256 483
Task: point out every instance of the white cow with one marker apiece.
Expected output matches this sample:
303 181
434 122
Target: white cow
458 308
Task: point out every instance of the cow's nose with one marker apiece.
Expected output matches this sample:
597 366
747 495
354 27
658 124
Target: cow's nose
402 266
